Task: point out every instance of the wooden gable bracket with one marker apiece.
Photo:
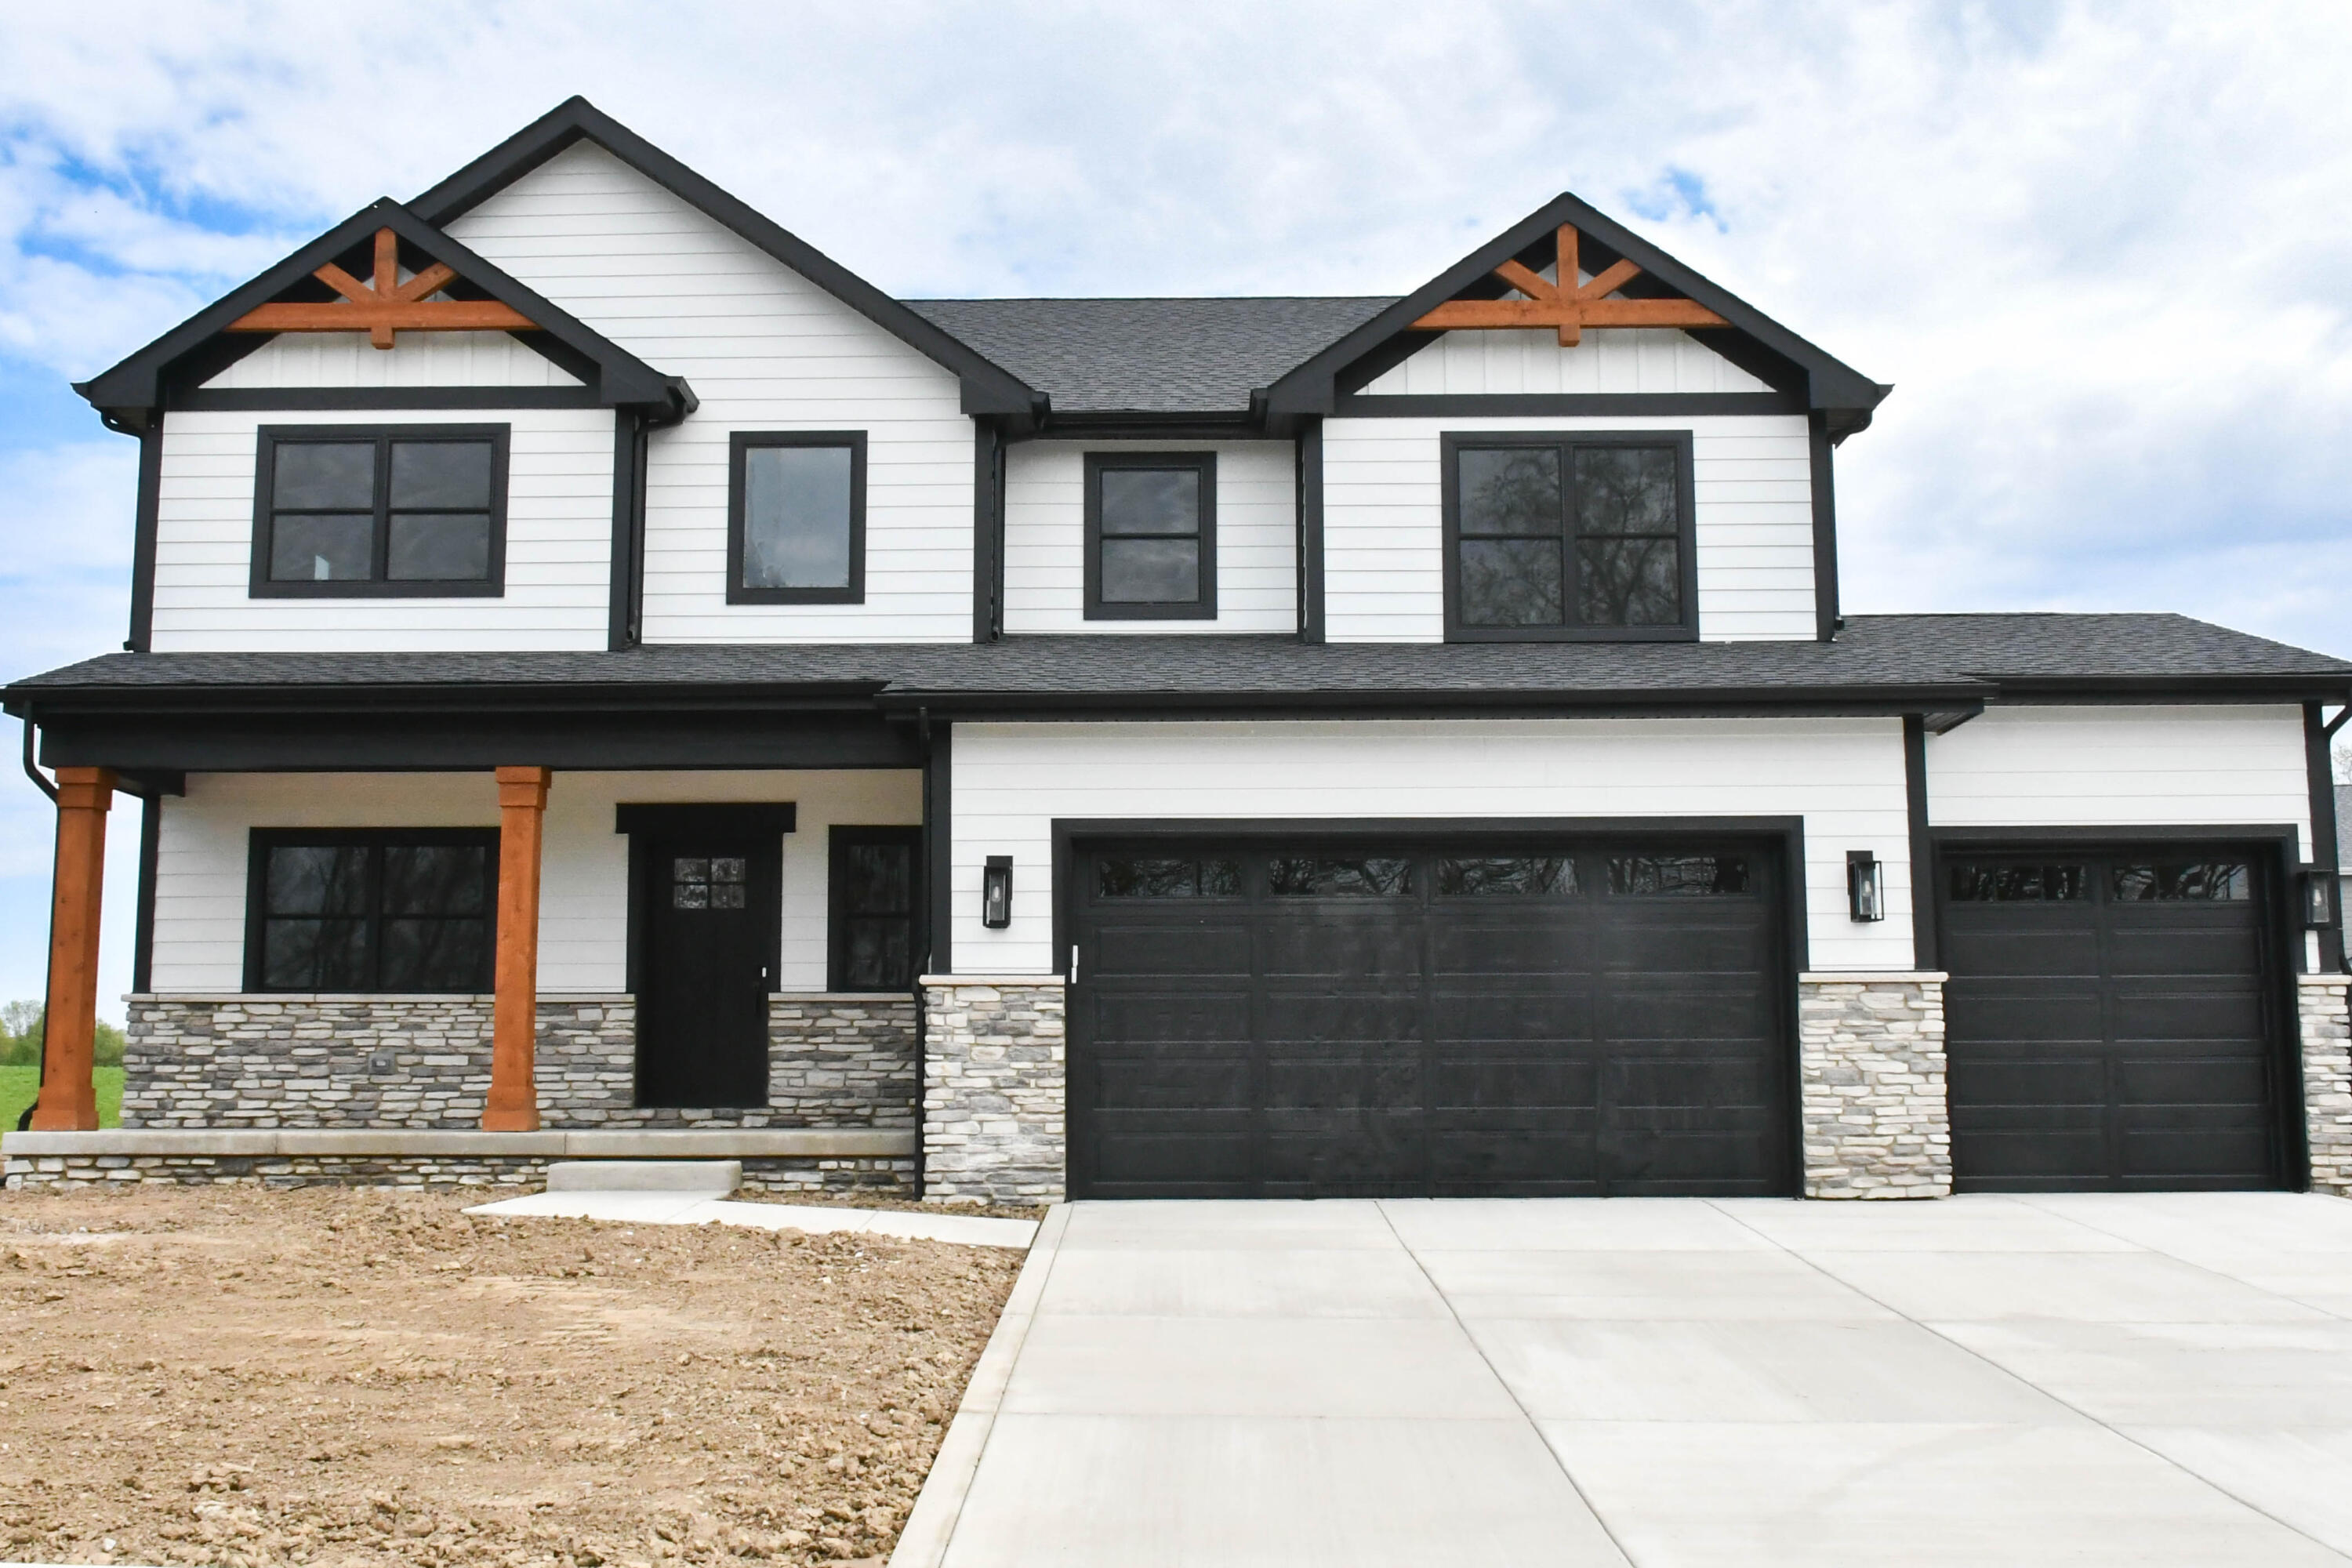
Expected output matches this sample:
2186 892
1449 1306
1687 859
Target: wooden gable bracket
385 306
1567 305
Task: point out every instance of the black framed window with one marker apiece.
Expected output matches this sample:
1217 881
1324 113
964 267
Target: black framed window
875 876
796 517
400 910
1152 536
380 511
1553 536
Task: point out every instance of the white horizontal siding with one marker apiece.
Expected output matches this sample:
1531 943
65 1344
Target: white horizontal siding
1256 537
765 349
2124 766
558 559
1843 776
1613 359
1383 553
201 861
416 359
2031 767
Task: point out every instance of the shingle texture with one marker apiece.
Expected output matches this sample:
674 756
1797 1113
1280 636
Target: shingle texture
1150 356
1874 653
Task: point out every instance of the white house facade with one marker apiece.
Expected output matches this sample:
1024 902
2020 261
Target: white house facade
604 679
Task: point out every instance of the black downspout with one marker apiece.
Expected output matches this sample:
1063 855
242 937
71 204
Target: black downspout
1924 947
2316 735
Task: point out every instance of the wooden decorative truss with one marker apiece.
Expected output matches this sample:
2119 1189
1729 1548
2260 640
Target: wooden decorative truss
1567 305
385 306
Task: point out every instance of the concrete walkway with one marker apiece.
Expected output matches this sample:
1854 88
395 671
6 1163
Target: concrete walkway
700 1208
2081 1380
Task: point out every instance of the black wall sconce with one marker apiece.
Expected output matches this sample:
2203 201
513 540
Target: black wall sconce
996 892
1865 885
2322 899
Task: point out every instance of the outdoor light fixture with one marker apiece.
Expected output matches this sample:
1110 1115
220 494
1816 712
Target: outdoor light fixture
996 892
1865 885
2319 899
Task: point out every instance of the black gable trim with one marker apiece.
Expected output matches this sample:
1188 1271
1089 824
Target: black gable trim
200 347
988 388
1753 341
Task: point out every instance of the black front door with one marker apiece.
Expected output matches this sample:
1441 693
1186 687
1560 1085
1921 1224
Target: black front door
1335 1018
709 898
2109 1021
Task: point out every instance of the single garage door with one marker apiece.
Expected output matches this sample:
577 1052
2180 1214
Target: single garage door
1302 1019
2109 1021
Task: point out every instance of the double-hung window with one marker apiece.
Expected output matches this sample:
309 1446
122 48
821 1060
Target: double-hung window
1560 536
1152 536
796 517
387 512
382 909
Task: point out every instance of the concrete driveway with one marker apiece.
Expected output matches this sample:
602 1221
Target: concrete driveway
2094 1379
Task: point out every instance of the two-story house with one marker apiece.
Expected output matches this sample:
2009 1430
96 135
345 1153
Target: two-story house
604 678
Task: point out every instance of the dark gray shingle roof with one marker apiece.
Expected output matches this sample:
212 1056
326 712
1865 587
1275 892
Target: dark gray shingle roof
1874 654
1157 356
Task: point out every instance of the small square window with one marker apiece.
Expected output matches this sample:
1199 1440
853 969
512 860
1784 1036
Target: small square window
1150 536
351 511
797 518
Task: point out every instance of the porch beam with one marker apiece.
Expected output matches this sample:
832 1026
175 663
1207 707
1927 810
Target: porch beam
513 1103
69 1100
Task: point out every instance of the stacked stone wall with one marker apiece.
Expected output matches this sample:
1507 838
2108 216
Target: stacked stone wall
86 1171
1877 1113
994 1091
424 1062
2327 1031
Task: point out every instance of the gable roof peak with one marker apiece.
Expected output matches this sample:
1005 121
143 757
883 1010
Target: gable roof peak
988 387
236 324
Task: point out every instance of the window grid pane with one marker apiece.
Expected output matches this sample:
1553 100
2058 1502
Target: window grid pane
374 917
383 510
1616 527
1152 535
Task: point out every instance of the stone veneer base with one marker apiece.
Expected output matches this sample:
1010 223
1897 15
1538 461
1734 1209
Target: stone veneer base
61 1171
1871 1065
270 1060
2321 1003
993 1090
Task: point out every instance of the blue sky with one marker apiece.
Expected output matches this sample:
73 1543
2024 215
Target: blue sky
2100 249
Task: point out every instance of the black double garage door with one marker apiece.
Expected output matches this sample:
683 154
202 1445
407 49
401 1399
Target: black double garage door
1274 1017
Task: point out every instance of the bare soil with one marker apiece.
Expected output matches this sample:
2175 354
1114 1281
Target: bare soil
327 1376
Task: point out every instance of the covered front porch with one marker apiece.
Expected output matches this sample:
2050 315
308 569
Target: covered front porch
407 969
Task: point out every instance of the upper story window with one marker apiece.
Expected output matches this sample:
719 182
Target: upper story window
398 511
1559 536
1152 536
796 517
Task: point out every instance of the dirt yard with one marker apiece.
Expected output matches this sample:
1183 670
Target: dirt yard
323 1376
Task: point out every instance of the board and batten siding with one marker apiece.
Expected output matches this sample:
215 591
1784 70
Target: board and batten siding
1843 776
765 349
201 859
1256 537
416 359
1383 535
558 551
1487 364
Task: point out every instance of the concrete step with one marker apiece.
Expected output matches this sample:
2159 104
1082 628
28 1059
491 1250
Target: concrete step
717 1177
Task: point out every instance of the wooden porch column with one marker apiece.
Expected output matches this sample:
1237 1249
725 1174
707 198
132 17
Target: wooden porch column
69 1103
513 1105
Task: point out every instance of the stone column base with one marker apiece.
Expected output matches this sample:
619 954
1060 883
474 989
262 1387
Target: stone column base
2326 1035
1877 1113
993 1090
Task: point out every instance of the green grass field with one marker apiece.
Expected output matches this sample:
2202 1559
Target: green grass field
19 1085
